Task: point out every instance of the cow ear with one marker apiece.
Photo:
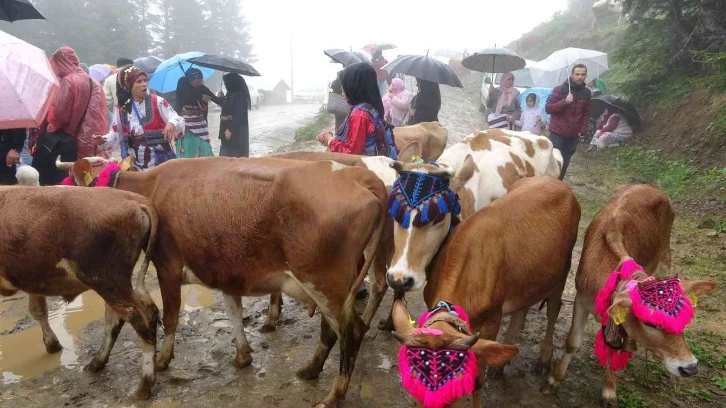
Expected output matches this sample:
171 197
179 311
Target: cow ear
82 168
491 353
410 153
620 308
466 172
697 287
402 318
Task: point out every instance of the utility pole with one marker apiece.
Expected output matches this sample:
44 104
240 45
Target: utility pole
292 70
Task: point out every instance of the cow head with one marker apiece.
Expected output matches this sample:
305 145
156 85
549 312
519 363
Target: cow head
424 206
444 338
85 171
654 313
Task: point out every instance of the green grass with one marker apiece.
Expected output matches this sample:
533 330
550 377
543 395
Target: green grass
630 398
707 347
308 131
698 393
717 128
720 382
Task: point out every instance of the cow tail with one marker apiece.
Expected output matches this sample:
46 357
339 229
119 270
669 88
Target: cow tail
614 240
348 315
148 251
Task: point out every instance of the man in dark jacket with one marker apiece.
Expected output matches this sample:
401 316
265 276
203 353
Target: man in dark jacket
11 144
569 106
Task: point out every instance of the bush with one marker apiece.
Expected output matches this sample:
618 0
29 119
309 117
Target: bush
308 131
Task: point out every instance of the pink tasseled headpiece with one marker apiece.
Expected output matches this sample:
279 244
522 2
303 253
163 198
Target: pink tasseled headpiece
660 302
103 179
438 377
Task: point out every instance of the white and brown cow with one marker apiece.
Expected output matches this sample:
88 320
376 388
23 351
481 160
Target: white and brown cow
260 226
504 259
635 224
65 241
500 158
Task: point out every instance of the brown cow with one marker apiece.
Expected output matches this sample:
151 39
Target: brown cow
65 241
504 259
635 224
430 135
260 226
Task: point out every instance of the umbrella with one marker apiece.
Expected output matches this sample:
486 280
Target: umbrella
27 83
424 67
148 64
494 60
99 72
542 95
346 57
625 108
166 76
374 48
555 69
13 10
225 64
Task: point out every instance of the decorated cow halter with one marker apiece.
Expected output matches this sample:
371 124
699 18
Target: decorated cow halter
660 302
428 194
438 377
106 178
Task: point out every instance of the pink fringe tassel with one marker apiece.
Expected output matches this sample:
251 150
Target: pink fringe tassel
615 359
447 393
68 181
104 177
673 325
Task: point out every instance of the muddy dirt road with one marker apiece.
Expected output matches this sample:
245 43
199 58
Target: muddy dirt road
201 375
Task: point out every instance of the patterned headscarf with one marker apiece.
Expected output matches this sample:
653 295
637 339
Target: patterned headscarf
193 73
125 79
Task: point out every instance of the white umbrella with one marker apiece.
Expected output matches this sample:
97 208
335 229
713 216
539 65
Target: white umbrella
27 83
99 72
555 69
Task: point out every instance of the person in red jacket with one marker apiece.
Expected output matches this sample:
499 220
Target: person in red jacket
569 107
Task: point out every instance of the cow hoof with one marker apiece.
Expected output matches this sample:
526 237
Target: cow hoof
495 372
95 366
542 368
308 373
53 347
549 388
242 361
143 394
386 325
610 403
161 365
268 328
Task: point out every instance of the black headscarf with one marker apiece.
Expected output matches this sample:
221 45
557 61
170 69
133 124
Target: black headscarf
186 94
431 93
360 86
235 83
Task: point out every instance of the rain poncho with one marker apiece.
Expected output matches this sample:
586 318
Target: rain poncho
69 105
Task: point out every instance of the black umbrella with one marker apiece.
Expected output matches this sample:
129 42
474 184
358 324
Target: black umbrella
383 47
494 60
616 103
346 57
148 64
13 10
424 67
225 64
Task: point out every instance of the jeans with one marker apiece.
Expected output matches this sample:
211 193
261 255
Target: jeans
567 146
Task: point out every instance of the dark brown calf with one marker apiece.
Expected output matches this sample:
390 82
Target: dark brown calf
62 241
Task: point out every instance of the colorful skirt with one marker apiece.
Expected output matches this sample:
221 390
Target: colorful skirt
191 145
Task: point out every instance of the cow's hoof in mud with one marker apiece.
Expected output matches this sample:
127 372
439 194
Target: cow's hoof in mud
53 347
242 361
161 365
386 325
268 328
609 403
549 388
541 368
495 372
95 366
143 394
308 373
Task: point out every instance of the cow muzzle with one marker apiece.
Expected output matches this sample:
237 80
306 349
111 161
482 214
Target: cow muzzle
403 281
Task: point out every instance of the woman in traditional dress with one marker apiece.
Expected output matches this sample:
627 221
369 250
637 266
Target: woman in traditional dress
234 129
192 102
148 122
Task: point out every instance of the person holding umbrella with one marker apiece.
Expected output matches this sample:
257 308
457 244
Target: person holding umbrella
569 106
11 144
234 130
613 128
426 104
192 100
504 104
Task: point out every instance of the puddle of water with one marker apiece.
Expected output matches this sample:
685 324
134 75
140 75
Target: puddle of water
366 390
22 354
385 363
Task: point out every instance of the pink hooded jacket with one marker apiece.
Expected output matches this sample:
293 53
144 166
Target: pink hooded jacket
66 110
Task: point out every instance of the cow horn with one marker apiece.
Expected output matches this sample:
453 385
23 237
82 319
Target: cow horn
465 343
67 166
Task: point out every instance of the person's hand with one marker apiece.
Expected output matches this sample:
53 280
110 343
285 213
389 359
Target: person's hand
321 136
12 158
98 139
206 98
228 134
169 132
569 98
510 118
220 94
412 112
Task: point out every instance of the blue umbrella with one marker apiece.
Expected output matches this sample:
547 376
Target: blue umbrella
542 95
167 74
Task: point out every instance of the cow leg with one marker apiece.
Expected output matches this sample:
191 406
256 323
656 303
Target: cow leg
489 331
377 276
328 338
574 341
39 310
516 323
112 327
387 324
170 280
554 304
233 307
609 395
273 314
351 338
